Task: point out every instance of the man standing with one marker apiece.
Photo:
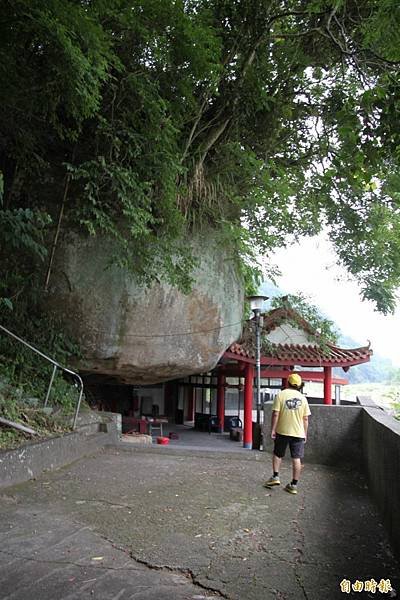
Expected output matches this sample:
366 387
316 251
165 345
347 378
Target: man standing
289 425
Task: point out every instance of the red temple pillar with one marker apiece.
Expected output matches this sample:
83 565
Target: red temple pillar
327 385
221 401
248 407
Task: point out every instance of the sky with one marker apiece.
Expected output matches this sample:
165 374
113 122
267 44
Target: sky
311 268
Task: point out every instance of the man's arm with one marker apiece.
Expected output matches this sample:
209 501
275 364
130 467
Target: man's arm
274 422
305 423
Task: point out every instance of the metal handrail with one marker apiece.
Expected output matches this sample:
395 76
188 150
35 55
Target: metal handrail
56 366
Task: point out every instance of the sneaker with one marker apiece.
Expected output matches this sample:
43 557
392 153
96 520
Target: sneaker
272 481
291 488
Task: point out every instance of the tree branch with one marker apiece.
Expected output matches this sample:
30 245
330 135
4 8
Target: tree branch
277 36
216 133
194 127
212 139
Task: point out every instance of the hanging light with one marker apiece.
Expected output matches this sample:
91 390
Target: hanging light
256 302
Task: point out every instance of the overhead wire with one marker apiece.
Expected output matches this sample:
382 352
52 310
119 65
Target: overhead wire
175 334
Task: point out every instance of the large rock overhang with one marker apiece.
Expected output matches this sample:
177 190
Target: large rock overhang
138 335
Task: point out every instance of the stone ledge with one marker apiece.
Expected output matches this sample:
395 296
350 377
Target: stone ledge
381 451
334 435
29 461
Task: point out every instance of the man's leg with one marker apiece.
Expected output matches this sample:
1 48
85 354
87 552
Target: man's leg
280 445
274 480
296 468
276 463
297 452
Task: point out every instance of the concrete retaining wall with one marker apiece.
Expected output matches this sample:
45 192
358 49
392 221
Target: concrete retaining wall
334 435
364 436
26 462
381 452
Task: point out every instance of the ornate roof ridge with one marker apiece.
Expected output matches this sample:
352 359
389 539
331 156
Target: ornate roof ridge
314 353
299 354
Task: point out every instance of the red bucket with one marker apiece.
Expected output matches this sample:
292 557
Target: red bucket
163 441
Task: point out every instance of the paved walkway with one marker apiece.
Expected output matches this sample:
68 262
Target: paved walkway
190 439
165 524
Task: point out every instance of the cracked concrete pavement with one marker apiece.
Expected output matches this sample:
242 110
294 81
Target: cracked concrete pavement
155 524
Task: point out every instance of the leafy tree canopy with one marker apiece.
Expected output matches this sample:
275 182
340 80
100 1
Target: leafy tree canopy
264 119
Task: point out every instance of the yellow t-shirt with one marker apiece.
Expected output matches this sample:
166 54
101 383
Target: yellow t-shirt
292 406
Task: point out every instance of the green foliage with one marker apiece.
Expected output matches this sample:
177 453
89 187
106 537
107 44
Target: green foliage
396 409
383 394
26 410
394 396
24 375
325 328
262 120
378 370
30 374
21 249
24 380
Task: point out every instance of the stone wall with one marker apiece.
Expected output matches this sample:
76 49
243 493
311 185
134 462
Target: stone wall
29 461
364 436
140 335
334 435
381 452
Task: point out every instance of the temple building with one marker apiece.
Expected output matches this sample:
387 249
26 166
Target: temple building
288 343
224 397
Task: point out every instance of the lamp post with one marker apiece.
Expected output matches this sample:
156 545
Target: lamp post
256 304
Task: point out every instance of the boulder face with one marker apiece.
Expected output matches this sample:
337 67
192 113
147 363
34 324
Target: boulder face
138 335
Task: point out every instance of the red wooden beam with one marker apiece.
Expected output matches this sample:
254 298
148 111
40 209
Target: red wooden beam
318 376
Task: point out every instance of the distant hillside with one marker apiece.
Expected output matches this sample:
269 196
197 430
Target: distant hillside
377 370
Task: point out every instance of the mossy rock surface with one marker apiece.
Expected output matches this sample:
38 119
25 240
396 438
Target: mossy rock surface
139 335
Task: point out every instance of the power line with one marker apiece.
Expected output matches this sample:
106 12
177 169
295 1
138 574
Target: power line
176 334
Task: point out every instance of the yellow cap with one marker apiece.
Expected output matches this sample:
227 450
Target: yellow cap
294 379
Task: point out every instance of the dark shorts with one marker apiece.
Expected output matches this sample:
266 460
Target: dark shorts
296 446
